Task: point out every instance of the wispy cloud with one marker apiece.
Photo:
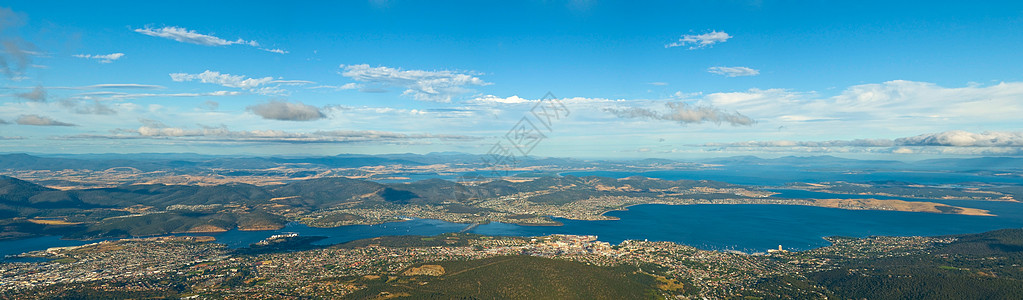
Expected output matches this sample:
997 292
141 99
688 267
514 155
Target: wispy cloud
436 86
109 86
684 113
16 54
192 37
104 59
38 94
228 80
293 82
733 71
91 108
37 120
286 111
275 50
156 130
210 105
264 85
122 86
697 41
106 95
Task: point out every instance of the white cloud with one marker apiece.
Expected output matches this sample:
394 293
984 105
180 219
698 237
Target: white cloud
437 86
192 37
893 104
658 83
733 71
228 80
275 50
104 59
255 85
293 82
698 41
346 86
684 113
496 99
580 102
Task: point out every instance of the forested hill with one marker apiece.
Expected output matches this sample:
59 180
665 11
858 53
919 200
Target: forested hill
30 209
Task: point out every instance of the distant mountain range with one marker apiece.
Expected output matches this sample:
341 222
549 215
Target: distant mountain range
28 209
170 161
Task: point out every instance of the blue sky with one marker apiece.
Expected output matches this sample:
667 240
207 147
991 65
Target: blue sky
671 79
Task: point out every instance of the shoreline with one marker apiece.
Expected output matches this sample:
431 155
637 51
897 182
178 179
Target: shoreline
965 211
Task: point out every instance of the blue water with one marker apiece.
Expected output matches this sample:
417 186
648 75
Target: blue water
33 244
752 228
747 227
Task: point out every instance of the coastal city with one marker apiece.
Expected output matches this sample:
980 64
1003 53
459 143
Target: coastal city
200 267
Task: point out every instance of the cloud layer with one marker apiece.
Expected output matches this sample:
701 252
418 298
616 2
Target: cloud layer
156 130
885 105
684 114
106 95
256 85
959 138
436 86
948 142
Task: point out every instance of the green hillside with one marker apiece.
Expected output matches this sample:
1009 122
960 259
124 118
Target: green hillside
518 277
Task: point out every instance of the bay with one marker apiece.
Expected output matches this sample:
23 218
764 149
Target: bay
745 227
